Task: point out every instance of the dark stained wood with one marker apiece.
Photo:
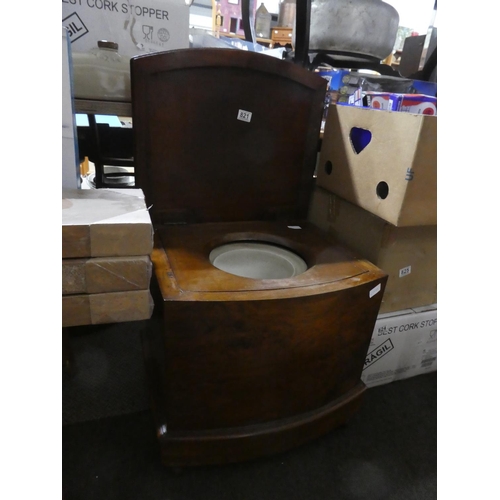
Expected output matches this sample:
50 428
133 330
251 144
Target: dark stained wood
240 368
196 162
259 357
247 362
249 442
183 446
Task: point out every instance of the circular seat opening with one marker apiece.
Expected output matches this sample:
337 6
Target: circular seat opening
257 260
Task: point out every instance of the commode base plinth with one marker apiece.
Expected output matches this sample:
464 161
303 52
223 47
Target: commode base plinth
242 368
220 446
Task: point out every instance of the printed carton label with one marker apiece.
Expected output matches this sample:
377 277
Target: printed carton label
143 27
401 346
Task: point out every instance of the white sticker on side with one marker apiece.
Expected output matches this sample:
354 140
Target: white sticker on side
405 271
375 290
244 116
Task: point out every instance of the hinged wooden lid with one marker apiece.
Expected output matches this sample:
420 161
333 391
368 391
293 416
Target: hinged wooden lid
224 135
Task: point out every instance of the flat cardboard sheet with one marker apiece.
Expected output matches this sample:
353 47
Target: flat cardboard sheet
106 274
116 307
382 161
105 223
407 254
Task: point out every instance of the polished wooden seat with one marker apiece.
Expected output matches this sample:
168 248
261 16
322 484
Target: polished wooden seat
188 248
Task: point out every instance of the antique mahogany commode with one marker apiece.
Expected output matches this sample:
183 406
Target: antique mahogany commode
225 150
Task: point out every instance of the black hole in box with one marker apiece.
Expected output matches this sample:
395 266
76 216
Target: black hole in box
328 167
382 190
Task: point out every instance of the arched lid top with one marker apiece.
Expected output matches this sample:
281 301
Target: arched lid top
224 135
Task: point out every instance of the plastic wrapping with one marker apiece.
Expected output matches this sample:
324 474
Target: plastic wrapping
105 223
102 73
204 40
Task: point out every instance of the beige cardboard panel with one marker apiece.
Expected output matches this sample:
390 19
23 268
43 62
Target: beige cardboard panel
410 260
106 274
355 176
73 276
421 193
75 241
121 239
342 221
400 154
407 254
105 223
120 306
118 274
101 308
76 310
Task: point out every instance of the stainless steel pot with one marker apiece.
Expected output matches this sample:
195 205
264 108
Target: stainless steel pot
351 29
358 27
286 16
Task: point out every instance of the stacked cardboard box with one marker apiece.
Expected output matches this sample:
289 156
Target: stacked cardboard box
377 194
407 254
107 239
404 344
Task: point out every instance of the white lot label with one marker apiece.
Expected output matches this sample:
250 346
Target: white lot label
375 290
244 116
405 271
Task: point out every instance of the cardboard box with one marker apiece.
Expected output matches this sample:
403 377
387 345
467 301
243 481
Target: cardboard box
342 83
407 254
106 274
388 101
116 307
105 223
382 161
70 165
382 100
419 104
403 345
137 27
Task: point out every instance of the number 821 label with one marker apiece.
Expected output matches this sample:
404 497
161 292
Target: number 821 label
244 116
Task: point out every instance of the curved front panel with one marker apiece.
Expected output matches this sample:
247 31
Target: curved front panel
239 375
235 363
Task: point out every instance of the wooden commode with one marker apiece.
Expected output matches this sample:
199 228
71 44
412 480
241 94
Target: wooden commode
243 366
